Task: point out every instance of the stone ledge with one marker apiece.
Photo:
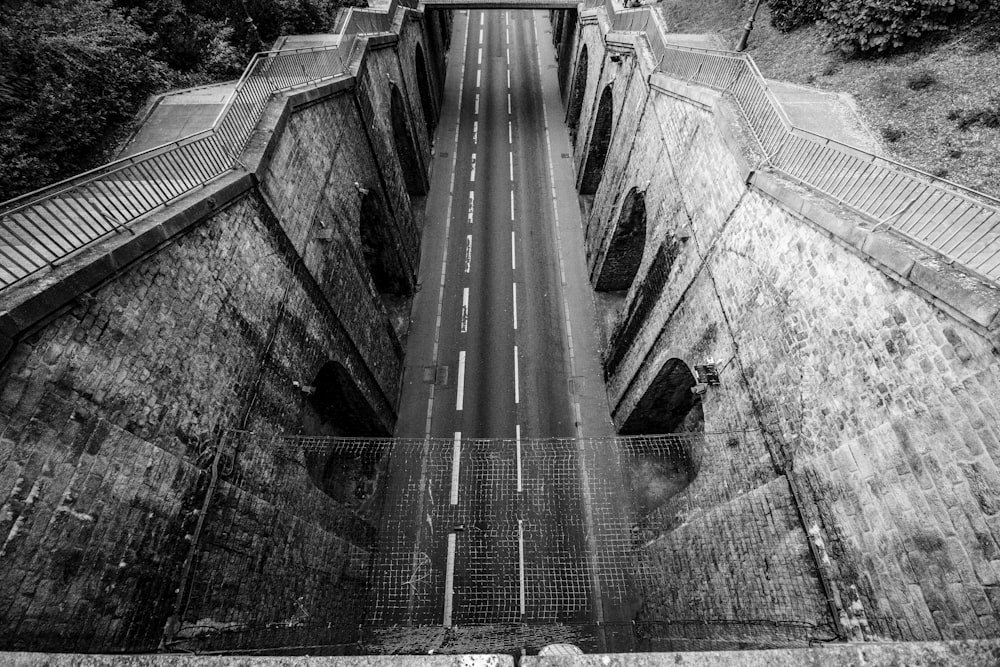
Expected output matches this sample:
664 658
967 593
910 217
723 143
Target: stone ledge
699 95
954 290
911 654
173 660
41 296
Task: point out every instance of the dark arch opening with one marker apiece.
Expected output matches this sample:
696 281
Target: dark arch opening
600 138
405 147
660 469
564 53
627 245
424 87
343 410
576 95
381 256
669 405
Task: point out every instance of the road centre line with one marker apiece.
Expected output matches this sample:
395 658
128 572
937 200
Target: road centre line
478 74
472 177
472 196
512 206
515 306
477 104
508 78
509 112
513 255
511 156
510 132
460 398
520 559
517 391
480 35
468 253
449 581
475 131
517 437
456 457
465 309
479 59
482 18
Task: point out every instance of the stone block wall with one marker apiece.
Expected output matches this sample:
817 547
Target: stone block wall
115 404
877 403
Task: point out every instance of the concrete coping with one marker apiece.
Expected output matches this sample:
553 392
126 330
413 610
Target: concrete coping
176 660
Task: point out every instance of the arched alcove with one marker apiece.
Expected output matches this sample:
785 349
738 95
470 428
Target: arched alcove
600 138
668 405
426 96
627 244
406 148
381 255
348 477
660 469
576 94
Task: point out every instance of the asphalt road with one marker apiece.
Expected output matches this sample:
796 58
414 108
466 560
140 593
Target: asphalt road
501 347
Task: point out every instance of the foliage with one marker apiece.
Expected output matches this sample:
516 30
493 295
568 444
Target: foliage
874 26
70 72
787 15
871 26
74 72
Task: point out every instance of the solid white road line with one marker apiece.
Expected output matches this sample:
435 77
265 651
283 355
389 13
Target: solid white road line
513 255
460 399
517 391
449 580
517 431
465 309
472 194
520 555
515 306
456 457
468 252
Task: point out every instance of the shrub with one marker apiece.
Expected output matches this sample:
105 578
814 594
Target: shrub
875 26
787 15
891 134
920 79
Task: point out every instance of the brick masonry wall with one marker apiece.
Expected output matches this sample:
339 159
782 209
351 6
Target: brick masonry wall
880 406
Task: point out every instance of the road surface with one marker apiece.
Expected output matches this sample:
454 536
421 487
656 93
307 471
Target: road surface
502 346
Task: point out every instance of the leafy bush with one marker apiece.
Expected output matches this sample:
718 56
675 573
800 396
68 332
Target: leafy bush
875 26
787 15
78 69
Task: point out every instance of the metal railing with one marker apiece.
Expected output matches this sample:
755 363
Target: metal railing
43 227
958 223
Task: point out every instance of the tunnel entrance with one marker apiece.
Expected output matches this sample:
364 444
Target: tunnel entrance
406 148
426 97
600 139
625 250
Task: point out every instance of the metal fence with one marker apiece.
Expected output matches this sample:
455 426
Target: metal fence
947 219
43 227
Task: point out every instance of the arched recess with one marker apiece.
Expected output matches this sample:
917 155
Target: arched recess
627 245
406 148
600 138
669 405
658 470
343 411
564 53
576 94
426 96
381 254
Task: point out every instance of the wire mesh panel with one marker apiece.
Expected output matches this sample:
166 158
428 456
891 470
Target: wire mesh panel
501 545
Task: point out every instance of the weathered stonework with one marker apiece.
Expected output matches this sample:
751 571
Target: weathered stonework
875 394
140 391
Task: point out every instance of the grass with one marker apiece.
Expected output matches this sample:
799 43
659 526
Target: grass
936 107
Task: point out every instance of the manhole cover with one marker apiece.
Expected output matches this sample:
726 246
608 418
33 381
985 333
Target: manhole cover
565 156
443 154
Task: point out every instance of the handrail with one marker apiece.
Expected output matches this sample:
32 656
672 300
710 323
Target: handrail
953 221
44 227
